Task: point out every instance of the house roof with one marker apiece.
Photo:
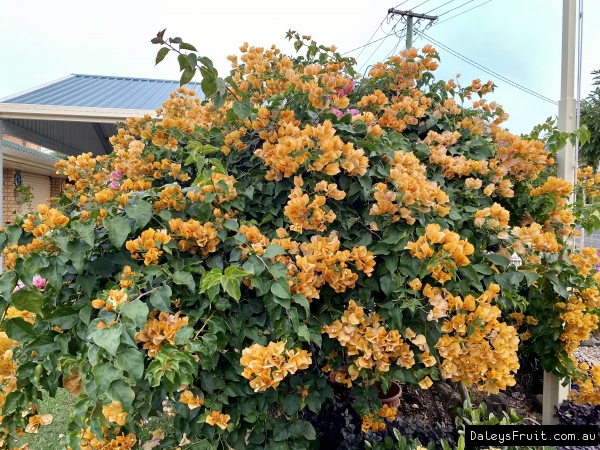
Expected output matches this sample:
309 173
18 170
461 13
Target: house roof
76 114
97 91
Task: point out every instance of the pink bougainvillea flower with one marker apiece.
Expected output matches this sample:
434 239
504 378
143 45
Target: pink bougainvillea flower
39 282
353 112
18 287
337 112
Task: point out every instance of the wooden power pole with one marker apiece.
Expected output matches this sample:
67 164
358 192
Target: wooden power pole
409 22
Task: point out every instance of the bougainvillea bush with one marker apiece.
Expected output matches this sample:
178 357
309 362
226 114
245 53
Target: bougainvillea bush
296 221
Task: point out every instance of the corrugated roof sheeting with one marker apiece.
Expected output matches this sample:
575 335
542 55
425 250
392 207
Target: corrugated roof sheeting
103 92
70 138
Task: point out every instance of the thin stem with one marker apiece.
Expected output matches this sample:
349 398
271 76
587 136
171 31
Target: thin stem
204 326
203 70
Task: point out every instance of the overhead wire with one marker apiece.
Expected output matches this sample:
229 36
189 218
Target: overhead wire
470 9
460 6
439 6
375 51
374 33
488 71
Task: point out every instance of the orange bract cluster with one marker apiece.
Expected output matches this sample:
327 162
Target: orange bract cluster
315 148
534 239
475 346
194 237
516 157
148 243
369 344
586 260
579 323
48 218
159 331
220 185
114 301
114 413
589 182
89 441
451 165
312 265
493 217
414 190
454 251
307 215
266 367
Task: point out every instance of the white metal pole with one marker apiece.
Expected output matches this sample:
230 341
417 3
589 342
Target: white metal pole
554 391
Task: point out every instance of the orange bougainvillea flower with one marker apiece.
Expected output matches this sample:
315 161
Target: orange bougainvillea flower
218 419
188 398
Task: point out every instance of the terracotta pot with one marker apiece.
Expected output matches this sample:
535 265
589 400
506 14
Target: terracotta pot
392 396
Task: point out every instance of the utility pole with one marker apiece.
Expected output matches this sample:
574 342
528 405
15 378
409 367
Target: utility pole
554 391
409 22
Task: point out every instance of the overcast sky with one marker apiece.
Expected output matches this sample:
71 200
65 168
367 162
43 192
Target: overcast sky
43 40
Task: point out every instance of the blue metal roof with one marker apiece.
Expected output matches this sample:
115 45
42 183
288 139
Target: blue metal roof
102 92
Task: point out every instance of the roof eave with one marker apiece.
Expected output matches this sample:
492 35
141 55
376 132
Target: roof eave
69 113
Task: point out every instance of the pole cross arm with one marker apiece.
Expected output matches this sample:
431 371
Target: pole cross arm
411 14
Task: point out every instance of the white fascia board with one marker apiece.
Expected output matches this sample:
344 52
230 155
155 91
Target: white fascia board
69 113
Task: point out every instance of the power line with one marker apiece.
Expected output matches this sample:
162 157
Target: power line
415 7
470 9
440 6
375 51
450 10
490 72
374 33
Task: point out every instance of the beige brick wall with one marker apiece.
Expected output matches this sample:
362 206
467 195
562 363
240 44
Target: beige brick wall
19 141
56 185
8 196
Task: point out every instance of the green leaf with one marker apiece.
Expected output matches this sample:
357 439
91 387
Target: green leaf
20 330
31 266
281 289
120 391
184 46
118 229
242 108
13 232
291 405
470 274
232 287
272 251
183 335
303 429
184 278
28 299
161 54
161 298
140 211
498 260
132 361
65 318
8 281
87 281
54 272
76 251
301 300
85 230
210 279
109 338
187 76
303 332
137 311
104 375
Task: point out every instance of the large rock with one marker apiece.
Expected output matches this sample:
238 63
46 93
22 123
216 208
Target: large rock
497 403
